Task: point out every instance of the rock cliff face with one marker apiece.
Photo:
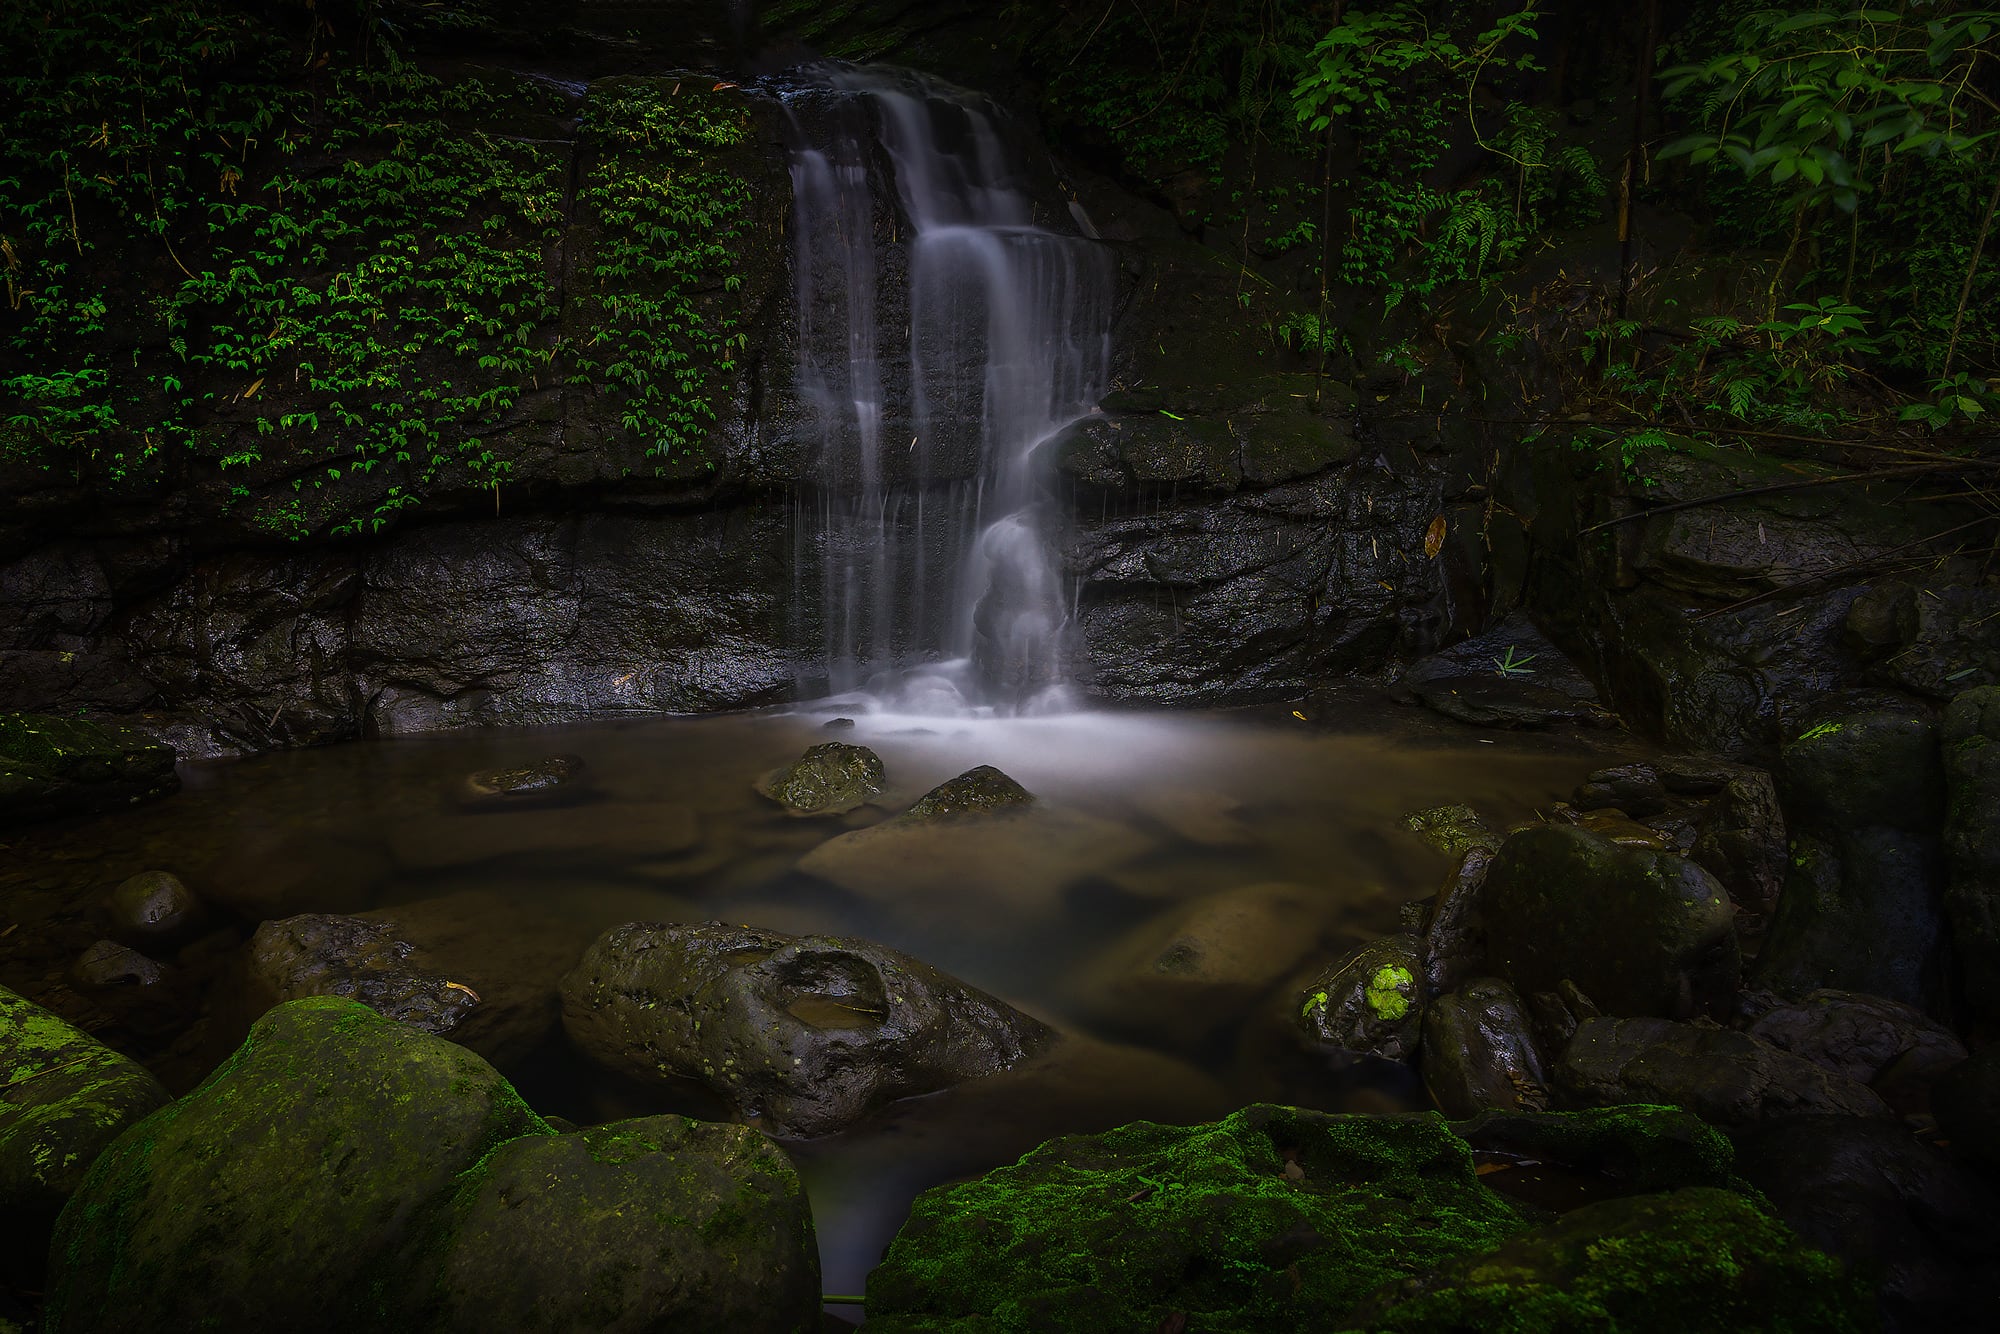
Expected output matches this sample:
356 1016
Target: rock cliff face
1236 529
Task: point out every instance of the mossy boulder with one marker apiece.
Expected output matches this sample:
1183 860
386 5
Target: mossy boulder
342 1171
1693 1261
829 779
53 766
1635 1149
656 1224
1273 1219
151 907
1370 1001
802 1035
1452 830
64 1096
1862 908
1970 737
978 791
1640 931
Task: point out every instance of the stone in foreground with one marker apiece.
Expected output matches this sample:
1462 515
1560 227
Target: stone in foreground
342 1171
64 1096
801 1035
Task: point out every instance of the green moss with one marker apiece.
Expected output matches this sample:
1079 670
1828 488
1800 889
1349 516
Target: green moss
1268 1220
1389 992
1699 1261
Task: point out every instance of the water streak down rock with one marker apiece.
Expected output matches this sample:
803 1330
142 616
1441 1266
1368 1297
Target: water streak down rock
918 208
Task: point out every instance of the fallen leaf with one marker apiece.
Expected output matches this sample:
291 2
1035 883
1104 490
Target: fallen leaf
1434 537
460 986
255 385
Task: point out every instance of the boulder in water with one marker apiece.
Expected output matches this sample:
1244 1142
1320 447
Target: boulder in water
978 791
151 906
549 780
108 964
1452 830
318 954
829 779
803 1035
1369 1002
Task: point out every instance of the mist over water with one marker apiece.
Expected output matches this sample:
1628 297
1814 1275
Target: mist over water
946 330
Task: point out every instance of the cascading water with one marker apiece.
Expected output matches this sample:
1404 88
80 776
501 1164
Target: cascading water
946 329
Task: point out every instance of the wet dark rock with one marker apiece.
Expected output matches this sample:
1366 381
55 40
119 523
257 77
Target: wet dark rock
1863 904
802 1034
380 1172
1556 1014
1892 1206
1966 1101
1452 830
1970 738
1696 1259
977 791
318 954
1636 789
1740 840
1729 1079
1893 1048
1455 938
829 779
552 777
838 724
1369 1002
109 964
658 1224
52 767
1936 640
1478 1053
63 1097
1271 1220
1509 676
152 905
1641 932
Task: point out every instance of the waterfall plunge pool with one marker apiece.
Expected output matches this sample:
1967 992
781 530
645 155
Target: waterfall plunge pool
1143 820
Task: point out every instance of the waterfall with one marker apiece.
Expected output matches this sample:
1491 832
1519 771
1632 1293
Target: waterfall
945 330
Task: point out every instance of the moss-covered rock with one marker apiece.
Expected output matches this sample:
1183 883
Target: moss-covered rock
63 1097
294 1189
1370 1001
53 766
1696 1260
1273 1219
1637 1149
803 1034
1642 932
1452 830
829 779
342 1171
654 1226
977 791
1970 737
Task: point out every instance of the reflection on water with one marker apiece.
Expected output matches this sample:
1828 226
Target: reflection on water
1273 842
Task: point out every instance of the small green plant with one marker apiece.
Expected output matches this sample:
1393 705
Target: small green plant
1819 730
1511 665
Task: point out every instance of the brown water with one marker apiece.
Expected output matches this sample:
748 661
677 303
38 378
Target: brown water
1144 819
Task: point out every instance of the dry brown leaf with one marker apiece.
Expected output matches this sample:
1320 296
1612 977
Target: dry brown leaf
1434 537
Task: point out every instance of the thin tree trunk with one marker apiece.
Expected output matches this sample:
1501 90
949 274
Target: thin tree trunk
1971 268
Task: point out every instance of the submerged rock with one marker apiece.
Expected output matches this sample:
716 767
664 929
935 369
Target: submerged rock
803 1035
64 1096
342 1171
1971 744
977 791
1697 1261
553 777
51 767
1273 1219
1478 1053
153 905
1728 1079
1193 970
318 954
1452 830
109 964
1370 1001
1642 932
831 778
